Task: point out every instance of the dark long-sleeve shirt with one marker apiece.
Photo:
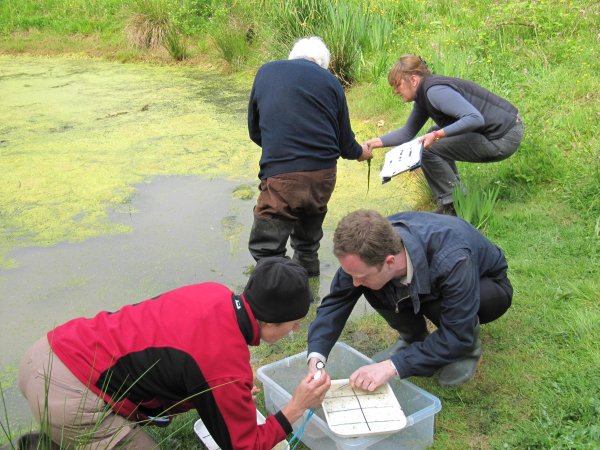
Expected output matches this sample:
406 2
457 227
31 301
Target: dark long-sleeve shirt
299 116
458 106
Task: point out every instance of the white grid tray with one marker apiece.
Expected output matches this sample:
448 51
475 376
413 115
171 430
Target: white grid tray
353 412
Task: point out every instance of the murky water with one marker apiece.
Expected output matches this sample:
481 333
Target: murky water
76 135
183 230
117 184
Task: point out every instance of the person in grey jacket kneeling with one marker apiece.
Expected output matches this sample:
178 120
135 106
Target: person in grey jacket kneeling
412 266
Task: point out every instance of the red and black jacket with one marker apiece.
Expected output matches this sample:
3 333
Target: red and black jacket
183 349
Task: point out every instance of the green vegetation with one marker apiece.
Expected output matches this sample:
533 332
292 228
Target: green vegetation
538 385
148 23
474 204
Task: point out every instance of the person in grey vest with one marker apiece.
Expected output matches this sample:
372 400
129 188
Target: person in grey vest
472 124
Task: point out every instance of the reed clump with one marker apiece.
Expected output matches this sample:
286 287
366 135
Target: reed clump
149 24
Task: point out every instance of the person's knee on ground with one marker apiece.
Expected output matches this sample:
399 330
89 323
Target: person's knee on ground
461 371
410 329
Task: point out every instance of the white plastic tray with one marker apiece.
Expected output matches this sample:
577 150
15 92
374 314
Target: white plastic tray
353 412
210 443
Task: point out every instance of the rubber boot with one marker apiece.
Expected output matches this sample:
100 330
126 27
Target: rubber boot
268 237
459 372
305 239
410 329
447 209
310 262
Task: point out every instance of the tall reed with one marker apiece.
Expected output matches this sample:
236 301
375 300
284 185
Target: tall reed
149 23
174 42
353 33
474 203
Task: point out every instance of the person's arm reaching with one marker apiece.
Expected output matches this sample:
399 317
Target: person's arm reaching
371 376
349 148
332 315
308 394
229 412
452 104
416 120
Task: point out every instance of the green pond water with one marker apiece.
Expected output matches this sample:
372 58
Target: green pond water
76 135
118 182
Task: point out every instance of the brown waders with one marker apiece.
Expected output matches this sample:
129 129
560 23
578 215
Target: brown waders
292 206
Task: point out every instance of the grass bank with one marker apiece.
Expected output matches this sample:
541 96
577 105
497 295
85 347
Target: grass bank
538 385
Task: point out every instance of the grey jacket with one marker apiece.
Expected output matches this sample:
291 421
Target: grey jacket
449 257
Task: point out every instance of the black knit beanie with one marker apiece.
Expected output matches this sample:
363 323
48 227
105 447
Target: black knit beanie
277 291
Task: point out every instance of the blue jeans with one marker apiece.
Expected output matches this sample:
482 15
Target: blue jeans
439 161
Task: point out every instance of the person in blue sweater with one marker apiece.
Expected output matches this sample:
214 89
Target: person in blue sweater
471 124
298 115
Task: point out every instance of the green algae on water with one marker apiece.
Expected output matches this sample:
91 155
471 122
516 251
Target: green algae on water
77 134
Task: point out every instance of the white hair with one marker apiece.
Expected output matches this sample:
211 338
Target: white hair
312 48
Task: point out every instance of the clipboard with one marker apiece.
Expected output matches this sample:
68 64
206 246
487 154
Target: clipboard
400 159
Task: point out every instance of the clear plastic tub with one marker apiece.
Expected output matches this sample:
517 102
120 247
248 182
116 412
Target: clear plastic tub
281 377
210 443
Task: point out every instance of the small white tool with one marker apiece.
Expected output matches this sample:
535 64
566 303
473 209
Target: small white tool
320 366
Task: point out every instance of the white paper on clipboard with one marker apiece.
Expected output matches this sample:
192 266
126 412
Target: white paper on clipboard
400 159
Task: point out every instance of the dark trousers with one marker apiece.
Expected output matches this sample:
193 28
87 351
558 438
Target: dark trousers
439 161
292 206
495 299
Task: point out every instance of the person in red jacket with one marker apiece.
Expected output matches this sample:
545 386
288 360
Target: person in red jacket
96 382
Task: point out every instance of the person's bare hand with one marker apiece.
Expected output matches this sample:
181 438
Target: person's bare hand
308 394
310 391
372 376
367 153
431 137
373 143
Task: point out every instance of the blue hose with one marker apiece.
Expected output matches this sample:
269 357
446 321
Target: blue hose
298 434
